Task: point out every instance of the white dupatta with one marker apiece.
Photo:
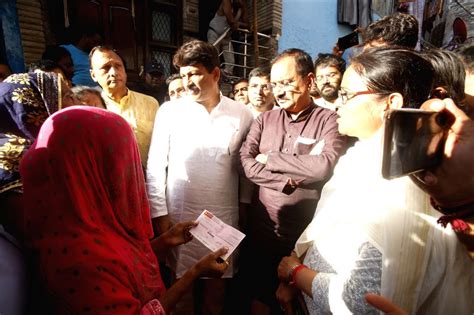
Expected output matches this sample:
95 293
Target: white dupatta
358 205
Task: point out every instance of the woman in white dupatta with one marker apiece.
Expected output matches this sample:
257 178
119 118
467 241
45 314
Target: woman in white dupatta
371 234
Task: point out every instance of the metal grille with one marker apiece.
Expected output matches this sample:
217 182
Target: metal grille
165 59
161 26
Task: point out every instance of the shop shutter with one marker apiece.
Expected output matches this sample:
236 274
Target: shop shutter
31 19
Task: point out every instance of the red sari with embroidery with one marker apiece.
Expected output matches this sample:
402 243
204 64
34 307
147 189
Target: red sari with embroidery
87 215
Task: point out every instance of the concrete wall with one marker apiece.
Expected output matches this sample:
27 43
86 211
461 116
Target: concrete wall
310 25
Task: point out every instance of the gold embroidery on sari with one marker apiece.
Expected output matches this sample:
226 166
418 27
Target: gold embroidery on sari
21 78
11 152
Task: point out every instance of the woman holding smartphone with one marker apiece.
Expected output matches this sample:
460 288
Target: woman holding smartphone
371 235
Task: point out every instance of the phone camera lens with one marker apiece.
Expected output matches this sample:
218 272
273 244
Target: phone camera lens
441 119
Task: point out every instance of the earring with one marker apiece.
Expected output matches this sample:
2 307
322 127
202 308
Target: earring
382 113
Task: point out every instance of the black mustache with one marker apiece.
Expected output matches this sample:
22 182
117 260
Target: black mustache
192 87
286 91
292 91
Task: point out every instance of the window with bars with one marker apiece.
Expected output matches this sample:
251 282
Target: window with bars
161 27
165 31
165 59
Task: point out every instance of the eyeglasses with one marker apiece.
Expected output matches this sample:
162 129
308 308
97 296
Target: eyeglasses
265 87
346 97
242 89
283 85
329 76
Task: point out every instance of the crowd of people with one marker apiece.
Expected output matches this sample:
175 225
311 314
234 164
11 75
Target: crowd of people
100 186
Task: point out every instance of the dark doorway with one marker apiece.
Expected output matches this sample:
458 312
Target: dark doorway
207 9
140 30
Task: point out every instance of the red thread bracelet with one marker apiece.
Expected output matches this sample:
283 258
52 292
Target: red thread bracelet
295 272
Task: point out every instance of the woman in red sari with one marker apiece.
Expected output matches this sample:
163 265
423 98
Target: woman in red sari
88 222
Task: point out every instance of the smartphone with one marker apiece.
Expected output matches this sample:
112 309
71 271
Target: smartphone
413 140
348 41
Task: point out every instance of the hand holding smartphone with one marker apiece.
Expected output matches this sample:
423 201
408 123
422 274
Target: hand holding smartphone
352 39
413 140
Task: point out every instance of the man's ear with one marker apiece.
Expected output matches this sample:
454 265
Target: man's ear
394 101
310 79
439 92
216 74
92 75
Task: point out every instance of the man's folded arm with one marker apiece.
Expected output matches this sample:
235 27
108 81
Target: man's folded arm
256 171
312 168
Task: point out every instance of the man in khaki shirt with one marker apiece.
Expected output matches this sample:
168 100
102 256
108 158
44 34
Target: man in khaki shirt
108 70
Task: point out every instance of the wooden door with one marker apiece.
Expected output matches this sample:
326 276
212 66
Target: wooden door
140 30
122 25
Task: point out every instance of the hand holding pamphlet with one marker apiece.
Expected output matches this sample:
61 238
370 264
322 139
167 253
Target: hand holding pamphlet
214 234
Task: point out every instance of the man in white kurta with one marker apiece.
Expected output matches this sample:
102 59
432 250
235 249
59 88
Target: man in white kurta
194 154
194 166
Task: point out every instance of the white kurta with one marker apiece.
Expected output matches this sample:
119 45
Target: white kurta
194 165
255 112
323 103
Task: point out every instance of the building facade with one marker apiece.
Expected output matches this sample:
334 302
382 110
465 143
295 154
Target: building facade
140 30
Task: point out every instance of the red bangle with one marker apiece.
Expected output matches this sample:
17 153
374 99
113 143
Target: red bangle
295 272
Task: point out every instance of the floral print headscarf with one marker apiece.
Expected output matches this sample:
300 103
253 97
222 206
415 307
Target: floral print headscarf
26 101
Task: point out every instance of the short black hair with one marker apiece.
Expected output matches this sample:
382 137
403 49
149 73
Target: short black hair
449 73
399 29
260 72
171 78
81 90
197 52
104 48
304 63
466 53
330 60
389 69
55 53
76 32
239 81
43 65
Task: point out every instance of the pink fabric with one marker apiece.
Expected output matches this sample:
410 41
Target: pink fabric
454 216
153 308
87 214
